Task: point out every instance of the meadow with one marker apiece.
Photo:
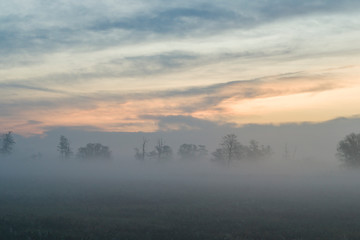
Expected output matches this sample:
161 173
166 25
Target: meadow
102 202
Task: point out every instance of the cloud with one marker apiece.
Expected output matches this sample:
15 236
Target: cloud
91 40
155 110
204 17
33 122
181 122
44 28
134 67
287 8
107 64
155 64
210 95
6 86
60 129
176 21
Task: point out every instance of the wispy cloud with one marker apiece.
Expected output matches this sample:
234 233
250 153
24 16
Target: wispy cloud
7 86
109 63
112 111
38 27
178 21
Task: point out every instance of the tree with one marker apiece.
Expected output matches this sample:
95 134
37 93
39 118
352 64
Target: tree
348 150
7 142
230 150
289 155
255 151
161 152
94 151
202 151
64 148
191 151
140 155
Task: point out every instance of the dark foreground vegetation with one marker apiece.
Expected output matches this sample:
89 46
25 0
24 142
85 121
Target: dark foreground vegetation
198 206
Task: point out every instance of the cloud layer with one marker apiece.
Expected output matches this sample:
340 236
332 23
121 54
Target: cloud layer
113 64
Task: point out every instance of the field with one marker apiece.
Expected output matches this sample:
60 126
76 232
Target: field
177 206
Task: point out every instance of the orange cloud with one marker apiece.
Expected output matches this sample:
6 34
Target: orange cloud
293 97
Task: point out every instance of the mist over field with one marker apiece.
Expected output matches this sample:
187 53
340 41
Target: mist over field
295 148
297 192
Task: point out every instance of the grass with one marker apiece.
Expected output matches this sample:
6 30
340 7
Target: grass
60 208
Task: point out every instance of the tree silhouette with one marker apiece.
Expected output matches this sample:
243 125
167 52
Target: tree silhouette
64 148
230 150
141 154
348 150
94 151
256 151
161 152
7 143
192 151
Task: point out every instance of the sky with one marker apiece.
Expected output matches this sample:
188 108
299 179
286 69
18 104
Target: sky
148 66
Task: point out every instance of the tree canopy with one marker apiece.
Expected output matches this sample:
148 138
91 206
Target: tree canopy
94 151
191 151
64 148
348 150
7 142
231 150
161 152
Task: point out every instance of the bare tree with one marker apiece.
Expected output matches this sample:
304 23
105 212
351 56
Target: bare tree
64 148
140 155
289 155
161 152
230 150
348 150
160 148
7 142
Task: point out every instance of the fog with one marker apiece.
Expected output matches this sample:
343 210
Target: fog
308 147
300 153
301 183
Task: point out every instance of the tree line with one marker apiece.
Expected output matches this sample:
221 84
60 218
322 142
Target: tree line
91 151
163 152
230 150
